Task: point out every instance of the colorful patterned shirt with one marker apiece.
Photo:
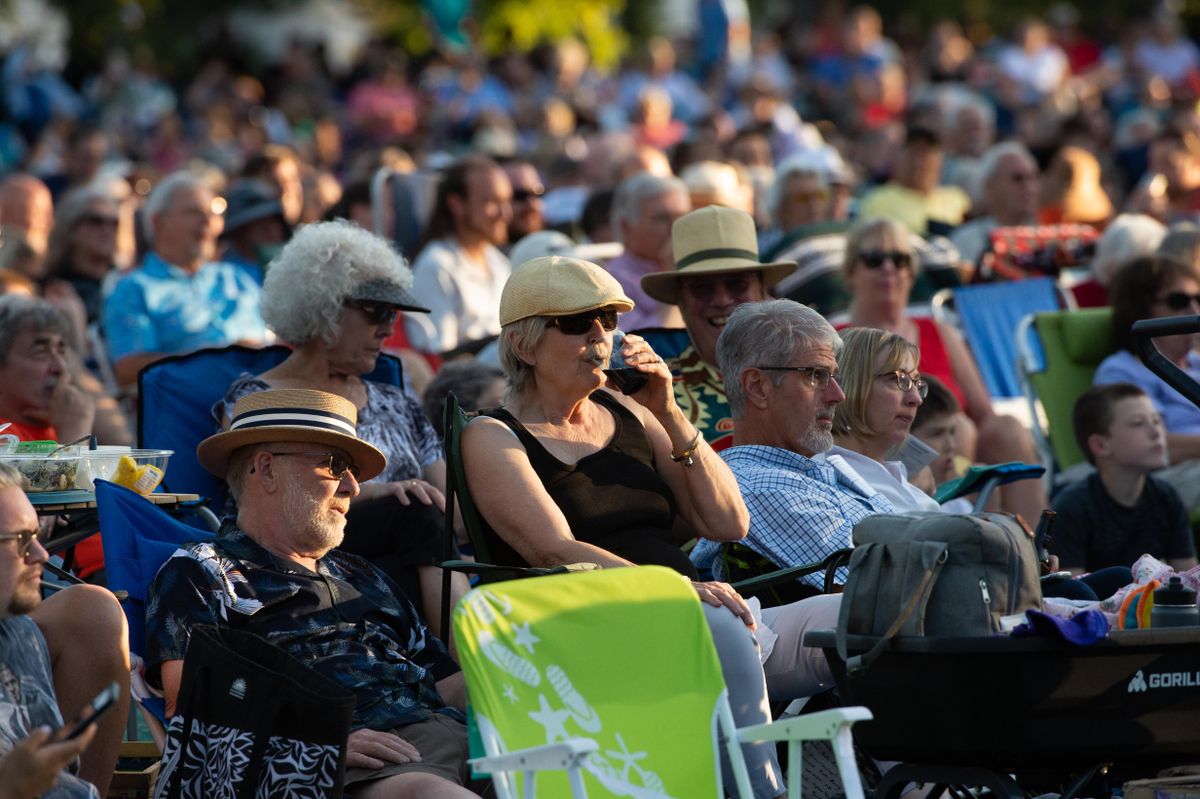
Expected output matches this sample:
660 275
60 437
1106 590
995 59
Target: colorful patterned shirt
699 389
801 509
347 621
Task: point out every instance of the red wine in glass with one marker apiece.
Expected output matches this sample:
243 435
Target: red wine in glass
626 378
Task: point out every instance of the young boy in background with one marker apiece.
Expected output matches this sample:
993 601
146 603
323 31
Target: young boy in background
935 425
1122 511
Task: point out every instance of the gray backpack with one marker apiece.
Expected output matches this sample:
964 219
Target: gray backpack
935 574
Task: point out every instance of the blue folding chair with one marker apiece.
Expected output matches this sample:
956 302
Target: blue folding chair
175 400
138 539
988 315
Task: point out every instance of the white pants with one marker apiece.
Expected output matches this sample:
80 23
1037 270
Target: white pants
792 671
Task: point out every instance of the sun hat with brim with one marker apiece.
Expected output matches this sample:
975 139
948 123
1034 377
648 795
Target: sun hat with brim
294 416
388 293
713 240
557 285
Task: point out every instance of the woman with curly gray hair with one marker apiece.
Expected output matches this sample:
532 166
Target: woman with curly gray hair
334 293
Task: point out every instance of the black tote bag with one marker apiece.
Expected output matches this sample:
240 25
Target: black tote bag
252 722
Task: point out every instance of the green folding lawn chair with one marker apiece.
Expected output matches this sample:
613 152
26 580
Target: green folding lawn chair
1058 352
607 684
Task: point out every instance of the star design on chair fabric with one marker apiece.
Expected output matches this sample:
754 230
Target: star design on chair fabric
551 720
523 636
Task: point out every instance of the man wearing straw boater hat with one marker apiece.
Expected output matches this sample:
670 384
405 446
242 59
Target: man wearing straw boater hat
716 270
293 461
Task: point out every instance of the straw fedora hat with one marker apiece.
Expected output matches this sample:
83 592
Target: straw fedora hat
713 240
294 415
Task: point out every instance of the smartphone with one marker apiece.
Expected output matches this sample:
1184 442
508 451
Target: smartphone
95 709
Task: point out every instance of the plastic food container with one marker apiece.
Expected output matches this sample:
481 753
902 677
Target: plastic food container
45 472
101 463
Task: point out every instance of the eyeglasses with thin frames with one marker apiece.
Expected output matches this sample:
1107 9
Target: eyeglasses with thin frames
905 382
815 376
580 323
337 463
24 540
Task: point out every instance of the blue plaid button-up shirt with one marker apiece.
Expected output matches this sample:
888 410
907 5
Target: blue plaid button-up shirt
801 509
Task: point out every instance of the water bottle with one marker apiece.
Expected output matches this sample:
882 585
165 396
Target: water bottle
1174 606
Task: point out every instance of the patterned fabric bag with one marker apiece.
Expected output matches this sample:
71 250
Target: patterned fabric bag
252 722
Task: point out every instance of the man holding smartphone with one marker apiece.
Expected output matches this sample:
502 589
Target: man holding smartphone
36 752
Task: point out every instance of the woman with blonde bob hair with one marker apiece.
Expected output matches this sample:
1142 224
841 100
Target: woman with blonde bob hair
878 373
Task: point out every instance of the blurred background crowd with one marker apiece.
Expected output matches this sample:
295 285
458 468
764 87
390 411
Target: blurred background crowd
807 115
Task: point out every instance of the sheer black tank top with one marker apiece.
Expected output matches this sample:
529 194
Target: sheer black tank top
613 498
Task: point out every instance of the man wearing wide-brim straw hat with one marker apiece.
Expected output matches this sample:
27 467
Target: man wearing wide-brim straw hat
716 270
293 460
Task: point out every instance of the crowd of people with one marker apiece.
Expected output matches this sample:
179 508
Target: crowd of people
768 224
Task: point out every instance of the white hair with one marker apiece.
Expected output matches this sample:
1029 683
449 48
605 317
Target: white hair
163 195
807 163
990 161
317 271
628 198
1127 237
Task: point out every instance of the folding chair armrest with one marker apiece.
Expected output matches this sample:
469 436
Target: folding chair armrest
792 573
829 725
560 756
474 567
822 726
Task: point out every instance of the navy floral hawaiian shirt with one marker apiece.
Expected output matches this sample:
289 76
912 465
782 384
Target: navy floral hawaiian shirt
347 621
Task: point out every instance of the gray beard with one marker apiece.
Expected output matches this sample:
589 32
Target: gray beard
817 440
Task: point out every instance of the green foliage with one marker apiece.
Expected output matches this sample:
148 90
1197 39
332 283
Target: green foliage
172 32
524 24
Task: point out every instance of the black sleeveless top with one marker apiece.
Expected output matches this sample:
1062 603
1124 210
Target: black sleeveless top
612 499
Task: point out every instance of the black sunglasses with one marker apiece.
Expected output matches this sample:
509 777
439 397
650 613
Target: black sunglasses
1179 300
337 463
876 258
532 193
579 323
377 313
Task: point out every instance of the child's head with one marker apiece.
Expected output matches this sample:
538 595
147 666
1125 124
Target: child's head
934 422
1117 425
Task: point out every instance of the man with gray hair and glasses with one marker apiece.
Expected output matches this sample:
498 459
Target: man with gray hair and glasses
779 362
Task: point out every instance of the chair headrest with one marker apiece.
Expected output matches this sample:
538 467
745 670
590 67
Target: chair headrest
1087 334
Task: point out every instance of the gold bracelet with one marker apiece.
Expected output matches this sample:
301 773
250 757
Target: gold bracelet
685 457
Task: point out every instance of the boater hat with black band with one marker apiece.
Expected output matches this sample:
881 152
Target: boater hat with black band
292 415
713 240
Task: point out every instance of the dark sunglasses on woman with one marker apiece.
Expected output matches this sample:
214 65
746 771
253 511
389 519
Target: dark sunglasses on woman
1180 300
580 323
377 313
874 259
